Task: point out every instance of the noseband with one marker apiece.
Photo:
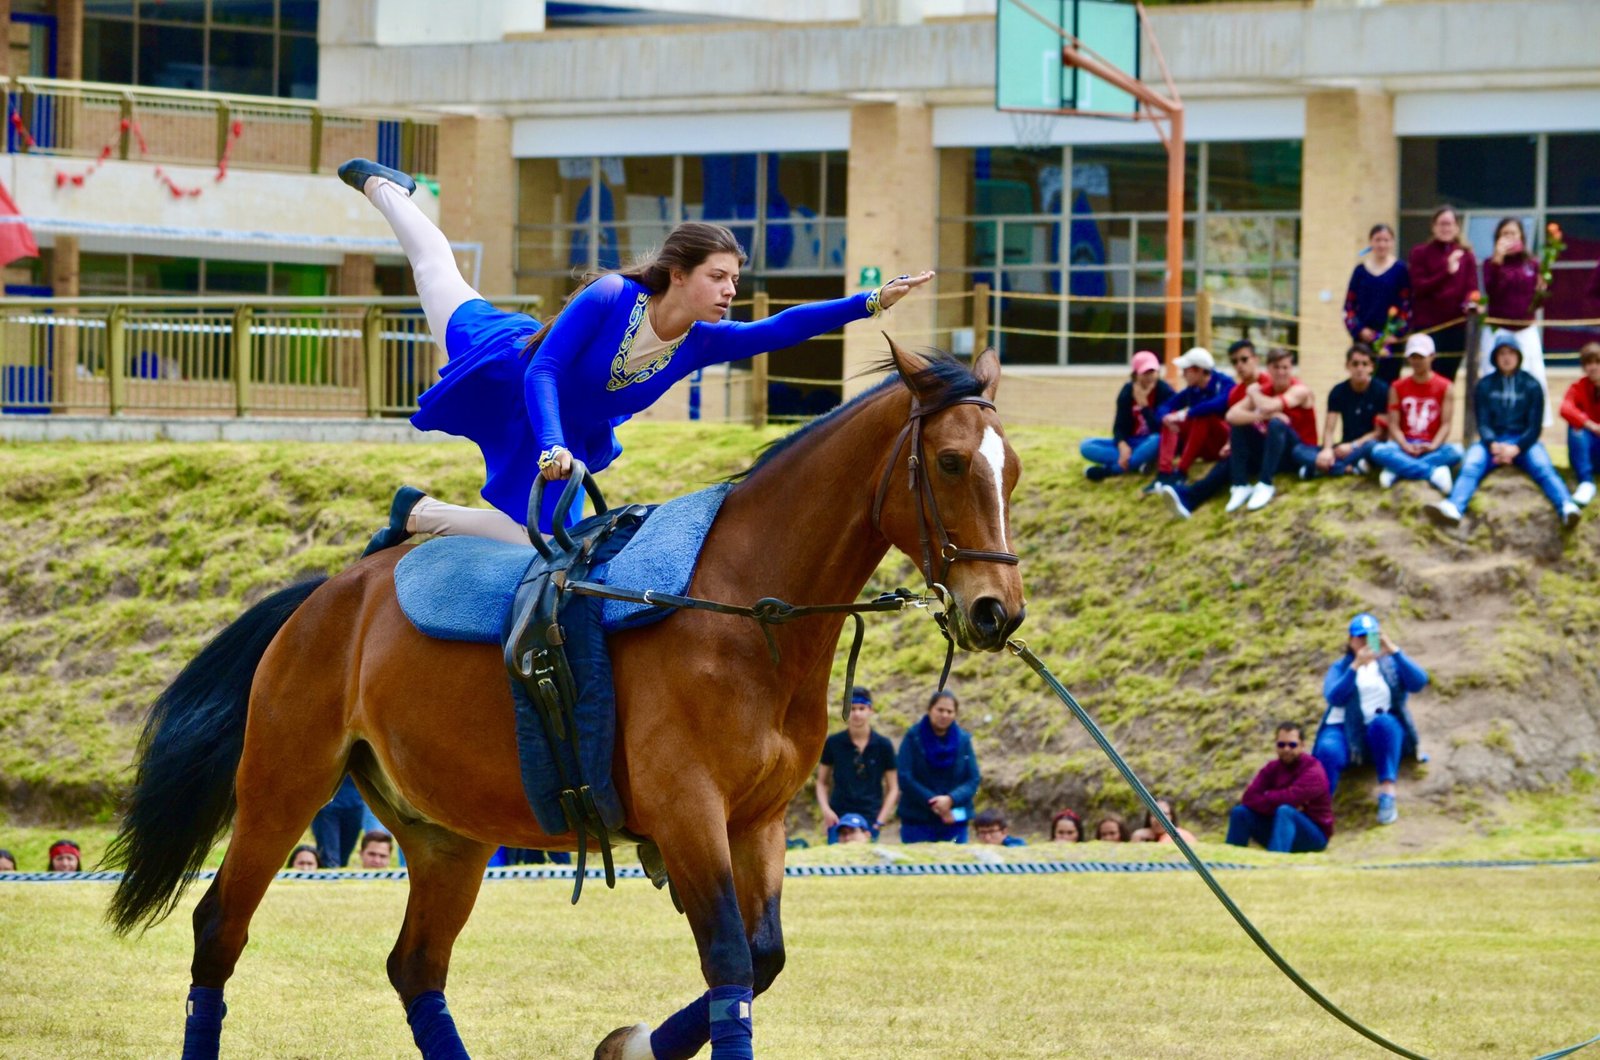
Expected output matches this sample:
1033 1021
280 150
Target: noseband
928 516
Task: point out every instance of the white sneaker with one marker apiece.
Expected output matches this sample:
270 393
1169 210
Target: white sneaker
1583 494
1260 496
1439 479
1570 514
1174 501
1237 495
1443 513
1386 478
1362 467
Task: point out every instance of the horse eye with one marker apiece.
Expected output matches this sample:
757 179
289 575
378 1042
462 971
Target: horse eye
950 463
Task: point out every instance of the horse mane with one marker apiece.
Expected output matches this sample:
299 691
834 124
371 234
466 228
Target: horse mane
946 378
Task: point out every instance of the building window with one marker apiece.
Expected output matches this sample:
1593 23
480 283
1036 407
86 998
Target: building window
106 275
1073 243
251 47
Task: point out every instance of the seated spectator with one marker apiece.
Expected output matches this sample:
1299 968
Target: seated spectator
1581 409
337 826
1273 430
939 775
852 828
1356 411
994 830
1153 832
304 859
376 848
8 863
1111 830
65 856
1184 497
1287 807
1192 418
858 773
1510 408
1367 719
1420 411
1066 827
1136 430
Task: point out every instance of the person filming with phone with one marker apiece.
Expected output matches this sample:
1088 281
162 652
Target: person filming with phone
1367 719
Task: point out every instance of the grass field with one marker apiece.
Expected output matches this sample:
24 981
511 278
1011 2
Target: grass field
1448 962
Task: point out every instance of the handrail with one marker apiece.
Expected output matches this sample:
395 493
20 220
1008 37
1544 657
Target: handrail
185 95
234 301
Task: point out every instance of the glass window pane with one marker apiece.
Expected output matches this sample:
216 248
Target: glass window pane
242 12
165 276
1130 178
298 15
1239 240
102 274
241 62
107 9
1009 181
295 281
173 10
1466 171
236 277
1150 245
1028 331
170 57
1099 333
838 165
1259 175
297 67
108 51
1575 170
642 198
1581 233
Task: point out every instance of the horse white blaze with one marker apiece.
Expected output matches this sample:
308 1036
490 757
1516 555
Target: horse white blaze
993 449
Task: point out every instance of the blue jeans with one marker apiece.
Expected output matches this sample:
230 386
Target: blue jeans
938 832
1104 451
1583 452
1384 738
337 826
1260 456
1391 457
1344 465
1286 831
1535 460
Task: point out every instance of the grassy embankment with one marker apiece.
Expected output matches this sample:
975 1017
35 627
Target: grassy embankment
1185 640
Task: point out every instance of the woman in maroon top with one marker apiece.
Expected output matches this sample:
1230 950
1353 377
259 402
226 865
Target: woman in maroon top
1511 283
1444 273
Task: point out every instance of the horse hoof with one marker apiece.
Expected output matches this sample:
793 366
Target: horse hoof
626 1043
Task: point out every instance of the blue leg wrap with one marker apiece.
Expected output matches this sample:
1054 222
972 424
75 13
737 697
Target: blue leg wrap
433 1029
202 1030
731 1033
685 1032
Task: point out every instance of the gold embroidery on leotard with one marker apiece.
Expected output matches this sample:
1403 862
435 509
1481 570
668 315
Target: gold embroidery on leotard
620 376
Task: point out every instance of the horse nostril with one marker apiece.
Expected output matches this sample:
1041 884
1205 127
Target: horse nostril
989 617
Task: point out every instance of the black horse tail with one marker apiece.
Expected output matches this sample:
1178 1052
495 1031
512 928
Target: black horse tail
183 794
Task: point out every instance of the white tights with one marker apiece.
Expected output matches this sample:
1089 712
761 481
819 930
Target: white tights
437 517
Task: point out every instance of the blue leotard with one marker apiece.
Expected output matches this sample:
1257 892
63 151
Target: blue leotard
577 389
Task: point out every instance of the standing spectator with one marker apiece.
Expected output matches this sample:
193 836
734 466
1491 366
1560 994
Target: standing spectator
1192 418
376 848
1153 832
994 830
337 826
1274 429
1111 830
304 859
1287 807
1136 431
1420 411
1183 497
1356 411
1444 273
1367 719
853 828
939 775
65 856
1511 283
8 862
858 773
1380 289
1509 404
1066 827
1581 409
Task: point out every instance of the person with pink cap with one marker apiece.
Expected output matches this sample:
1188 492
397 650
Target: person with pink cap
1136 430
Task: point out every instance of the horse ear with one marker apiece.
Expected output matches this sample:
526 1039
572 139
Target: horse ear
909 364
986 369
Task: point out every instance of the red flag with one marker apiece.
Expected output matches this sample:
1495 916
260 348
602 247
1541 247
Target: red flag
15 239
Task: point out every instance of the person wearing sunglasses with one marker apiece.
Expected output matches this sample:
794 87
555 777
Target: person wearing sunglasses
1367 719
1287 807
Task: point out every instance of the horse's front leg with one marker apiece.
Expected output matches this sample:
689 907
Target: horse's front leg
695 847
758 880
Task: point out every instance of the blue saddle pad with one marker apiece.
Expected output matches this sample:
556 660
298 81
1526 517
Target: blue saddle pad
662 556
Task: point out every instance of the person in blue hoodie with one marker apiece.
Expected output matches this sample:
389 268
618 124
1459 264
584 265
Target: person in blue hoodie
938 775
1510 408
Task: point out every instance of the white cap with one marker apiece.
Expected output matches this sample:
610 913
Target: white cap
1197 357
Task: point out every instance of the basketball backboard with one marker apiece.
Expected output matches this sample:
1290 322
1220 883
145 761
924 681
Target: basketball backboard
1029 73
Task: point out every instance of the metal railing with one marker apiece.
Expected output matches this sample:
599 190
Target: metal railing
83 119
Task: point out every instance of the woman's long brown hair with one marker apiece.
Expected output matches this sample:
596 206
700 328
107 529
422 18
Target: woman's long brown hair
686 247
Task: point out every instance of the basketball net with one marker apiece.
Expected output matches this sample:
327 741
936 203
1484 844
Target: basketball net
1033 131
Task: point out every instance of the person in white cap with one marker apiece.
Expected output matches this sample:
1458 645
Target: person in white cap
1192 420
1420 411
1136 428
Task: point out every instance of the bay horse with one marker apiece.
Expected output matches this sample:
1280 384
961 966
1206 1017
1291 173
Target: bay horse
714 738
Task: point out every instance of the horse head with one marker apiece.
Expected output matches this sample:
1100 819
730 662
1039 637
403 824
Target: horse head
946 502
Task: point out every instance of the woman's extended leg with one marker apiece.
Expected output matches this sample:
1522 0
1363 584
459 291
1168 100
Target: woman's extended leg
439 283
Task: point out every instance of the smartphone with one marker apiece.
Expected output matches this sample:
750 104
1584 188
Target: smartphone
1374 642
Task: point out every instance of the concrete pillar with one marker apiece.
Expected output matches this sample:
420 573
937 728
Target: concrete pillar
478 195
64 283
69 40
356 276
893 179
1350 181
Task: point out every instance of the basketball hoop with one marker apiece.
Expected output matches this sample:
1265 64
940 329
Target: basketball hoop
1034 131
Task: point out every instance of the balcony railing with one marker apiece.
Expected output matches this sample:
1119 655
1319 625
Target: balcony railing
80 119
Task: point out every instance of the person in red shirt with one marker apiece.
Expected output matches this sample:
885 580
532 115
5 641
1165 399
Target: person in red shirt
1274 430
1444 273
1420 411
1287 808
1581 409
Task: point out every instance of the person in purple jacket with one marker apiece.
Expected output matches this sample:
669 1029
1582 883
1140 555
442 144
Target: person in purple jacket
1380 290
1444 273
1287 807
536 397
1511 283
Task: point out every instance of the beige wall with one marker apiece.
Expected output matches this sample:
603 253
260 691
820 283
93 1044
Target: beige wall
478 194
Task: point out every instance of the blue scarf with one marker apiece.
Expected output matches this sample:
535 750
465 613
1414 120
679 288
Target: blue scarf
939 751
